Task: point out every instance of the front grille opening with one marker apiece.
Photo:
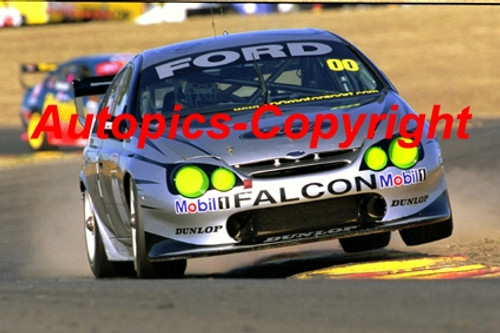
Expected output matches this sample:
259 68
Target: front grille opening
254 226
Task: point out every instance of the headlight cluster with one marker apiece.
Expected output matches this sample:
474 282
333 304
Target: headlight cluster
378 156
191 181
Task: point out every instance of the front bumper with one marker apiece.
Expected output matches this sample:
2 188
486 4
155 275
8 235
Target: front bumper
436 212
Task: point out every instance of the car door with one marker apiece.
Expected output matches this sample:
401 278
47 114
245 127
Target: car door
111 149
92 165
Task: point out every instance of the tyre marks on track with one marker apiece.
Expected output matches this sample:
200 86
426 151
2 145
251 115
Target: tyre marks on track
432 267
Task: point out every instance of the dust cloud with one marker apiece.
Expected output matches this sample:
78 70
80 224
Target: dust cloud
47 213
475 202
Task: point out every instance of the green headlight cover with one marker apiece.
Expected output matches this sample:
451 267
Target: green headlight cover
402 157
223 179
191 181
375 158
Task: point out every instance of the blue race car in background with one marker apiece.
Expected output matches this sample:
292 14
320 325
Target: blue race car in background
56 89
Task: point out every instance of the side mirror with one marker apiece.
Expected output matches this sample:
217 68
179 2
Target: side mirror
122 128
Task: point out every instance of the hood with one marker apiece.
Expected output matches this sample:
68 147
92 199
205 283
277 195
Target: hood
242 146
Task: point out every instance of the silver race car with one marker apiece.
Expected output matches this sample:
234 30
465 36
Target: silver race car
251 141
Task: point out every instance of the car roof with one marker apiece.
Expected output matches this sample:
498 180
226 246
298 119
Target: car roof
164 53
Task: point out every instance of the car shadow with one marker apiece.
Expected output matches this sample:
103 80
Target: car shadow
288 264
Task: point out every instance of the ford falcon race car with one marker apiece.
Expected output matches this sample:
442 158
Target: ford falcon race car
56 89
247 141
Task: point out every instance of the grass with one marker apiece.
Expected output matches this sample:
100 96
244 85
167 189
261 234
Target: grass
433 54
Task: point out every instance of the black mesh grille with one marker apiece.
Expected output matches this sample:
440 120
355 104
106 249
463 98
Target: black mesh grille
251 226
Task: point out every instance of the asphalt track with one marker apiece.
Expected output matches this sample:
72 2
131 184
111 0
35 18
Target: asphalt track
46 286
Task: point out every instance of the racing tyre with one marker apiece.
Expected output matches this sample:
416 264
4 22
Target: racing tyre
366 242
144 267
96 254
39 143
427 233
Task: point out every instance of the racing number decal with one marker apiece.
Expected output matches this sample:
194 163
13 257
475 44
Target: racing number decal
338 65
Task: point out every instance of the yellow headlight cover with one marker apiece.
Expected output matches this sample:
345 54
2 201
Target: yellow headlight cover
403 157
375 158
223 179
191 181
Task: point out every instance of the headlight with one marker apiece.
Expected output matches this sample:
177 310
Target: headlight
222 179
375 158
191 181
390 153
402 157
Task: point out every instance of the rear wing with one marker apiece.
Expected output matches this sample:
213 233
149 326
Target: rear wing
95 85
43 67
91 86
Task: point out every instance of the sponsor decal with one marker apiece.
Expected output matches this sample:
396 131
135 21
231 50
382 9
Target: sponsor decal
314 190
409 201
251 53
198 230
195 206
405 178
310 234
274 196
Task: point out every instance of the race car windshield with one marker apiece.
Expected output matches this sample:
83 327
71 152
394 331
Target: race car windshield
236 79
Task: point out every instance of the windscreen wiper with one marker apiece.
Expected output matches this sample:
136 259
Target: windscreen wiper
266 96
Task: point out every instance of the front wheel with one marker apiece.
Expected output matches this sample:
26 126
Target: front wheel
427 233
144 267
